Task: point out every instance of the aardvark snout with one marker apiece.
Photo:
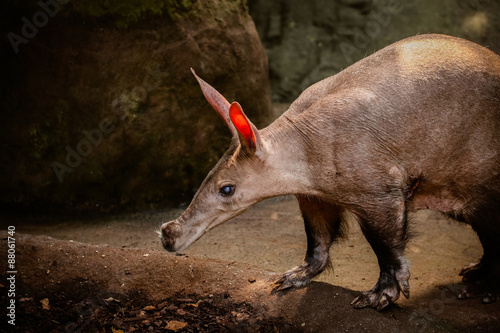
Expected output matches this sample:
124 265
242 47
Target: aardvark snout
170 233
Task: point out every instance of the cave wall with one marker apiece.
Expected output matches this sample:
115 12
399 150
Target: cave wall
307 41
100 110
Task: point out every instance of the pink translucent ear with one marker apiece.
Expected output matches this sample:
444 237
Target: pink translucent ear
217 101
247 132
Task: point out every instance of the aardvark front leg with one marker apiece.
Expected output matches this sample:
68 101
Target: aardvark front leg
323 224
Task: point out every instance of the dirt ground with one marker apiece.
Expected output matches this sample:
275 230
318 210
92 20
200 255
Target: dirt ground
111 275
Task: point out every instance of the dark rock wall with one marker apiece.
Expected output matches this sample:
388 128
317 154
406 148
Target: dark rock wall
100 116
98 108
307 41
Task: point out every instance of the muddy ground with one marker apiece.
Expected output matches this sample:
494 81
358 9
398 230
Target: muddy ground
111 275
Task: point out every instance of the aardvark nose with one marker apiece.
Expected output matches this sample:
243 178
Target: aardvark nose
170 232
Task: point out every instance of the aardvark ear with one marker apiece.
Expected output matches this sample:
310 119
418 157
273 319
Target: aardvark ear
247 132
217 101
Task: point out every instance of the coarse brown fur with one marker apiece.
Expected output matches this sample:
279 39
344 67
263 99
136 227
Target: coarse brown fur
413 126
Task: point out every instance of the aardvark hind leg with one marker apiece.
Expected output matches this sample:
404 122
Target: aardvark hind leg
387 234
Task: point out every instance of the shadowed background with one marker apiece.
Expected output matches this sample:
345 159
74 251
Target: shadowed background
99 111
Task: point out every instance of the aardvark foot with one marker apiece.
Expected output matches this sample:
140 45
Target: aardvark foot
297 277
482 279
385 292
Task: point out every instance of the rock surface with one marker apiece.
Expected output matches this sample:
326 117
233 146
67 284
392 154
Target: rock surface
307 41
98 116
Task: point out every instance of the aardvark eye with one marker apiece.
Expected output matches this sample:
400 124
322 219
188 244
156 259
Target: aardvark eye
227 190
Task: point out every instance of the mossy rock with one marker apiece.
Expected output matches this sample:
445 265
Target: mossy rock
103 117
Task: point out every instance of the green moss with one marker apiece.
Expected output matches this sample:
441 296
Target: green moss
41 139
132 102
125 12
